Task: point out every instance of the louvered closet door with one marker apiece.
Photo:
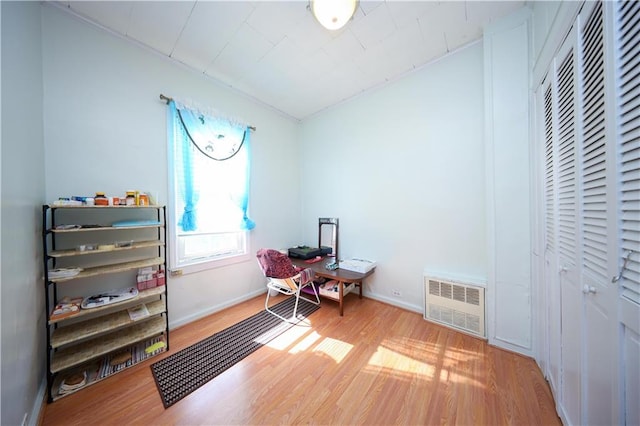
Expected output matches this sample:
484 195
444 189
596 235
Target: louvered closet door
552 289
629 122
592 213
598 230
567 228
628 43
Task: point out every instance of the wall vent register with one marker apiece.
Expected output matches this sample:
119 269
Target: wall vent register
457 305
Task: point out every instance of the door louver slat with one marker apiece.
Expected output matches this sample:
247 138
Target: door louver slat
566 160
549 192
593 163
629 81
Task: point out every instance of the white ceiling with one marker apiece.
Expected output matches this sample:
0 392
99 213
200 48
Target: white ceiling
275 52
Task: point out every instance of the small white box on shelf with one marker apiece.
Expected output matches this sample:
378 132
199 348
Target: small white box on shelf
357 265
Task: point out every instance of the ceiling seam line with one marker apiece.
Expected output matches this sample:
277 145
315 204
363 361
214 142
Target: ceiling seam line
186 22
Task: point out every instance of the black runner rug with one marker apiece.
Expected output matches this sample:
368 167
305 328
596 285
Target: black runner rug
185 371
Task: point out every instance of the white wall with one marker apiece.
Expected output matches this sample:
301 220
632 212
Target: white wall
507 65
105 130
23 338
403 170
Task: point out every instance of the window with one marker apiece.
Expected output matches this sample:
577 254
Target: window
209 185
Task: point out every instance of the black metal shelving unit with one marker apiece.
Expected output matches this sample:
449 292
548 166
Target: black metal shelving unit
84 341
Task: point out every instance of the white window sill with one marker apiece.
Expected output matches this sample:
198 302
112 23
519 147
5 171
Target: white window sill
211 264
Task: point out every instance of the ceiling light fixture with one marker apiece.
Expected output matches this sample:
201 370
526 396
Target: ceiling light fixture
333 14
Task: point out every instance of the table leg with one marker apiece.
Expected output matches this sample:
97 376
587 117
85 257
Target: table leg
341 298
360 285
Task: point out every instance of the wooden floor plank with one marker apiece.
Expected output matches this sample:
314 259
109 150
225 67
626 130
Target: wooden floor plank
378 364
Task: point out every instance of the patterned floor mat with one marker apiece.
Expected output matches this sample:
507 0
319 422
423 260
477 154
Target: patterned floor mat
185 371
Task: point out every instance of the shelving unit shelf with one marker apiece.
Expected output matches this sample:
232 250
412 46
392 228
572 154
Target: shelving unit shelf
110 269
101 325
74 252
100 228
140 298
95 348
92 344
101 369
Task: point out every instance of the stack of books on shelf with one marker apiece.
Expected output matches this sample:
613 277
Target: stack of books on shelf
130 356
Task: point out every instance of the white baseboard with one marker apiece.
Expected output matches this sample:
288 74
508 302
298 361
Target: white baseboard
394 302
510 346
213 309
562 413
217 308
32 420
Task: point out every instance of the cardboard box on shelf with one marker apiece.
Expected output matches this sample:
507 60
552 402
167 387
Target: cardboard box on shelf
148 278
66 307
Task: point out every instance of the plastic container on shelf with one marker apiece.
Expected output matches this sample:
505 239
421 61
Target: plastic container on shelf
131 198
100 199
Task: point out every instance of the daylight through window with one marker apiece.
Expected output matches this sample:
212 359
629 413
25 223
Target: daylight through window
209 179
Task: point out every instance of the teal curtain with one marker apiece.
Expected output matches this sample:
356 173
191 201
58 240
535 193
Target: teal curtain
223 144
241 198
184 156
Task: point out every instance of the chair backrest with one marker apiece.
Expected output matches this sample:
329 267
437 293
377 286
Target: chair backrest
275 264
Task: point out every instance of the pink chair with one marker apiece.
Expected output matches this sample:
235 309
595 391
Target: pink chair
285 278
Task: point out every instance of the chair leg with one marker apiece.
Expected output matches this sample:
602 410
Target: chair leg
266 307
300 296
292 319
266 301
315 292
295 307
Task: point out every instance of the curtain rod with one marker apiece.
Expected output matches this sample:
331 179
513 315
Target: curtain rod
167 99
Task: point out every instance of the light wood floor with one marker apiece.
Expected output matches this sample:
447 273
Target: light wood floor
376 365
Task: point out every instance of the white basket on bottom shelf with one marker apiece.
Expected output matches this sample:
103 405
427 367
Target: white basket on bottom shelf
331 289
